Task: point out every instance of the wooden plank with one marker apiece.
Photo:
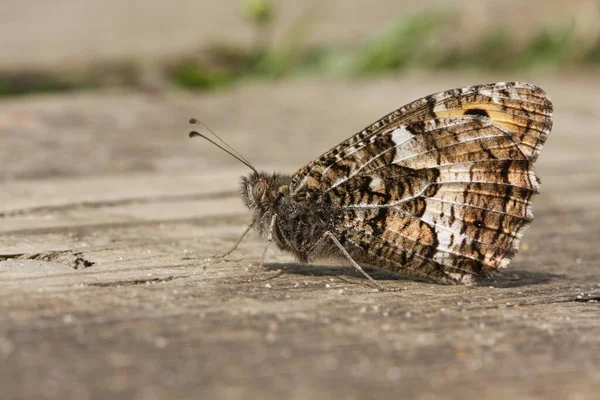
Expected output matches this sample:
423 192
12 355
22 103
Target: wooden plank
106 290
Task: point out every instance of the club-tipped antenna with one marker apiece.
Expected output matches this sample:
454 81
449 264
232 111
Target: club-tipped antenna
240 159
239 156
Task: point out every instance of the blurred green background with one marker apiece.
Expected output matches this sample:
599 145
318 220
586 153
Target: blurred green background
67 45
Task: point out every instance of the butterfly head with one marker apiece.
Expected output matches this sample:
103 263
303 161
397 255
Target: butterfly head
263 192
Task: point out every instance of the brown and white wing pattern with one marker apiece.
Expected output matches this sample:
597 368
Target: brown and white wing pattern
442 187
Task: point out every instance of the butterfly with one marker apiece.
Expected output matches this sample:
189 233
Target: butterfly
439 189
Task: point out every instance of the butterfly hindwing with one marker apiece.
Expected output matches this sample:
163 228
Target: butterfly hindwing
440 188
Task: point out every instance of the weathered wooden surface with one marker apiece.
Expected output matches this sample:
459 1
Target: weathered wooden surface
108 212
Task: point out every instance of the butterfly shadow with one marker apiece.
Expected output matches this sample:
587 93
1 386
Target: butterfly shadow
506 279
520 278
336 271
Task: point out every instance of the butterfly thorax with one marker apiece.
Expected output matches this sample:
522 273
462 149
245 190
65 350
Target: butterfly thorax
300 221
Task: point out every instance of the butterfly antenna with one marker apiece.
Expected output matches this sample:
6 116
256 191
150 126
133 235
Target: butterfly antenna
240 159
231 149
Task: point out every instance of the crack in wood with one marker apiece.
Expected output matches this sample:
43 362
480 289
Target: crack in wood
134 282
589 298
75 260
96 227
585 299
117 202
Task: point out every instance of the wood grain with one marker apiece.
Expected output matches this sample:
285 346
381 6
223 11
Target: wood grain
108 213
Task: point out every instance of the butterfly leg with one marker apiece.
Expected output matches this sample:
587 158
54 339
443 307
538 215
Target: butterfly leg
335 240
236 243
269 240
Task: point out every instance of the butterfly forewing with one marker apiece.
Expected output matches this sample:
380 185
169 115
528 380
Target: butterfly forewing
440 188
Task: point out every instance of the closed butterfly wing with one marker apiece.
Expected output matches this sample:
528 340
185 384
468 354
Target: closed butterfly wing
442 187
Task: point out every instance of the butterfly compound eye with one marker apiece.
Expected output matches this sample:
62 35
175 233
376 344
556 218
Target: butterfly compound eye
259 190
